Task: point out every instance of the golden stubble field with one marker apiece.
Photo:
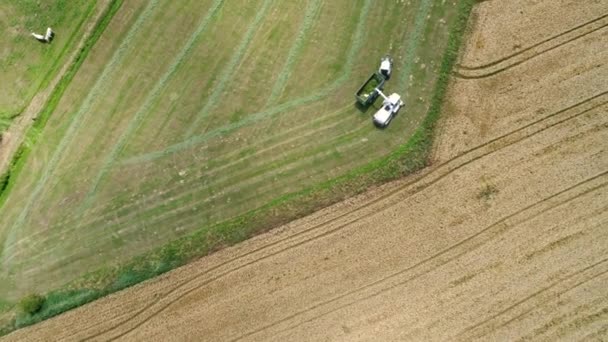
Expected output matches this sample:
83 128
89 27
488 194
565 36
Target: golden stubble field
504 237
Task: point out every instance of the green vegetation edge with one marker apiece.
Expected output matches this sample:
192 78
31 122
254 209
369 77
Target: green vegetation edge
32 135
408 158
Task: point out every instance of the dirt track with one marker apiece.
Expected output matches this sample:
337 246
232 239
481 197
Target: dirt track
503 238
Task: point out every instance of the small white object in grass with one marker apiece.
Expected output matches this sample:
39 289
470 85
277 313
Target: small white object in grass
47 37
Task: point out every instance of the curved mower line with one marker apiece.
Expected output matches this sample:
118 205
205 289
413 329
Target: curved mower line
75 124
230 69
355 47
412 46
151 99
568 113
181 203
225 163
422 13
320 94
312 10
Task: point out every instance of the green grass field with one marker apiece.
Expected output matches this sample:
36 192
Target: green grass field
187 114
27 67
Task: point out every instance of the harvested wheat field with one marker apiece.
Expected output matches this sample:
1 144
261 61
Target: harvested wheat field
504 237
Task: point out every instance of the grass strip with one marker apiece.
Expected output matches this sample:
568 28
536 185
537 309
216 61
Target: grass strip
19 158
408 158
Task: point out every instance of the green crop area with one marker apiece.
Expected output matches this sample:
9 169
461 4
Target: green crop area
197 118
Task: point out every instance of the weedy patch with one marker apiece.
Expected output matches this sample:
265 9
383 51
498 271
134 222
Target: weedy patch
487 192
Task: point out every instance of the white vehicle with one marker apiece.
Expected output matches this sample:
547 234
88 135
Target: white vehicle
390 107
47 38
386 66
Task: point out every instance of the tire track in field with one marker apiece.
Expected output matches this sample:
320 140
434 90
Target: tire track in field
493 230
316 96
536 305
525 57
312 10
544 295
151 100
413 187
74 126
230 69
435 261
525 50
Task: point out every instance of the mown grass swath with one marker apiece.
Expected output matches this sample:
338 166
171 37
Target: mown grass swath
31 137
407 158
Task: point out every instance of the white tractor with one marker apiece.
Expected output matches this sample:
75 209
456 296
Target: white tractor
47 38
390 107
386 66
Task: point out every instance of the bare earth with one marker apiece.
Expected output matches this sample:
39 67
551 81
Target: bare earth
505 237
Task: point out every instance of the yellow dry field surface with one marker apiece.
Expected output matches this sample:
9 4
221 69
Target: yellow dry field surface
504 237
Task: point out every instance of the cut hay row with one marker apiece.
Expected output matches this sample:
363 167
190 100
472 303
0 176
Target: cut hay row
291 136
231 127
312 10
255 117
73 127
260 116
49 236
186 194
230 69
136 120
413 42
130 195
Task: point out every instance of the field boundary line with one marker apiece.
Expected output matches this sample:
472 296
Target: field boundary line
417 188
483 73
312 10
488 144
533 46
19 117
231 68
73 128
151 99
